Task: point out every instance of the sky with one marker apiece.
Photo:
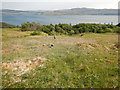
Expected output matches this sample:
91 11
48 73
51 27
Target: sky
58 4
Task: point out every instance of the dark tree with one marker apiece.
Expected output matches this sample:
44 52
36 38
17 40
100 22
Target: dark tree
118 24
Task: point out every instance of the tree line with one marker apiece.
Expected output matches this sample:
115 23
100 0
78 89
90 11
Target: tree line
67 29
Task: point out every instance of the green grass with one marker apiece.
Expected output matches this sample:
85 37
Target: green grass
67 65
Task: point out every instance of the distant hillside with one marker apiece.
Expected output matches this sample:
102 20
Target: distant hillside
8 11
17 12
84 11
73 11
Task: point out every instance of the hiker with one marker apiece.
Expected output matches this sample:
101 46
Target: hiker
54 37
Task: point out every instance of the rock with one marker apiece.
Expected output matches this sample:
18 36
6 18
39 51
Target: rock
43 45
52 45
82 35
106 48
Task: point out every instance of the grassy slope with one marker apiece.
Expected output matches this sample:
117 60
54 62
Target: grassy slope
68 65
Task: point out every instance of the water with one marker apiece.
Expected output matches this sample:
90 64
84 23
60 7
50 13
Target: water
56 19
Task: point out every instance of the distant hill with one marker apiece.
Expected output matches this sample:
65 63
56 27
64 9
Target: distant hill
73 11
17 12
84 11
8 11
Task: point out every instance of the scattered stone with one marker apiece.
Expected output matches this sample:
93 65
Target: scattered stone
106 48
51 45
43 45
21 67
81 34
117 45
86 45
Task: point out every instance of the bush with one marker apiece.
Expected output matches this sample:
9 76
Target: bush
71 32
118 24
108 30
116 30
29 26
66 29
6 25
36 33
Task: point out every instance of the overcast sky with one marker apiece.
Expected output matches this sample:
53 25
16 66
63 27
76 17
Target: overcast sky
57 4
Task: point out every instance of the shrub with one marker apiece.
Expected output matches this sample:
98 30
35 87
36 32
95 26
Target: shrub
116 30
6 25
29 26
36 33
108 30
66 29
44 34
118 24
72 32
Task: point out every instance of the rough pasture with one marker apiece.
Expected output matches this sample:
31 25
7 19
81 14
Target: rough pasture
73 62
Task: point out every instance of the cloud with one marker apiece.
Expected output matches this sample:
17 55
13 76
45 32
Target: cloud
61 1
58 5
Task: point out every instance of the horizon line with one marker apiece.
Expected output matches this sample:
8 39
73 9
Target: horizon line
55 9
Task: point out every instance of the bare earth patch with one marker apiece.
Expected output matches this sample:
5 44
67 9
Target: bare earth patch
18 68
95 46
